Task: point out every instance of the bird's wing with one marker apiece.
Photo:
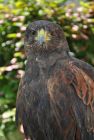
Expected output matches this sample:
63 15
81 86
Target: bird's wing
85 85
77 87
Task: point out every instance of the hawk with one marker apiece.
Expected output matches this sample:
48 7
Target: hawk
55 99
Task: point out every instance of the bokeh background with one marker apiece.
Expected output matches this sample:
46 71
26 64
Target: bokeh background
77 20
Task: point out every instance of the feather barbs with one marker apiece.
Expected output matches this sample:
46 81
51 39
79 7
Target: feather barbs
84 86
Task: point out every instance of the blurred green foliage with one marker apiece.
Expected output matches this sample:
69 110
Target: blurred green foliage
77 23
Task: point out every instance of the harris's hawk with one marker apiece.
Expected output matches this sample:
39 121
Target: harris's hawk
55 99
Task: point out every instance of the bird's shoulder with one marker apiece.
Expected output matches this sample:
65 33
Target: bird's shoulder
75 77
77 74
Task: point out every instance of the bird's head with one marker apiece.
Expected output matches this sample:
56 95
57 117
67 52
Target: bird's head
44 36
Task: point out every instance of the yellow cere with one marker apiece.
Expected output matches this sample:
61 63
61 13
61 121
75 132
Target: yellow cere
45 35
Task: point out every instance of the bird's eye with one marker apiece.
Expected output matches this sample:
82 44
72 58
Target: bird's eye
33 32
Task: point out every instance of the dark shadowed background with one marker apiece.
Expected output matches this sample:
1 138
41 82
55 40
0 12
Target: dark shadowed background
77 20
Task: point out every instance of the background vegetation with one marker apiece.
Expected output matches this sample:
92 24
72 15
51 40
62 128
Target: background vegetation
77 22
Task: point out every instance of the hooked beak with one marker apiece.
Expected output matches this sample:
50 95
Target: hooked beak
43 36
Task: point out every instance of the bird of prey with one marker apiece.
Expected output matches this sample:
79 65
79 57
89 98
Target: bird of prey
55 99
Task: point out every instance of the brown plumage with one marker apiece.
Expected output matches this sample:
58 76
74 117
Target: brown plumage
55 100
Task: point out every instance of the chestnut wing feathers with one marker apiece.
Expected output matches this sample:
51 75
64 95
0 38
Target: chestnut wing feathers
69 78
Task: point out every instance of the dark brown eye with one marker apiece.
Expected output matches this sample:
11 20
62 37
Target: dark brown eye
33 32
